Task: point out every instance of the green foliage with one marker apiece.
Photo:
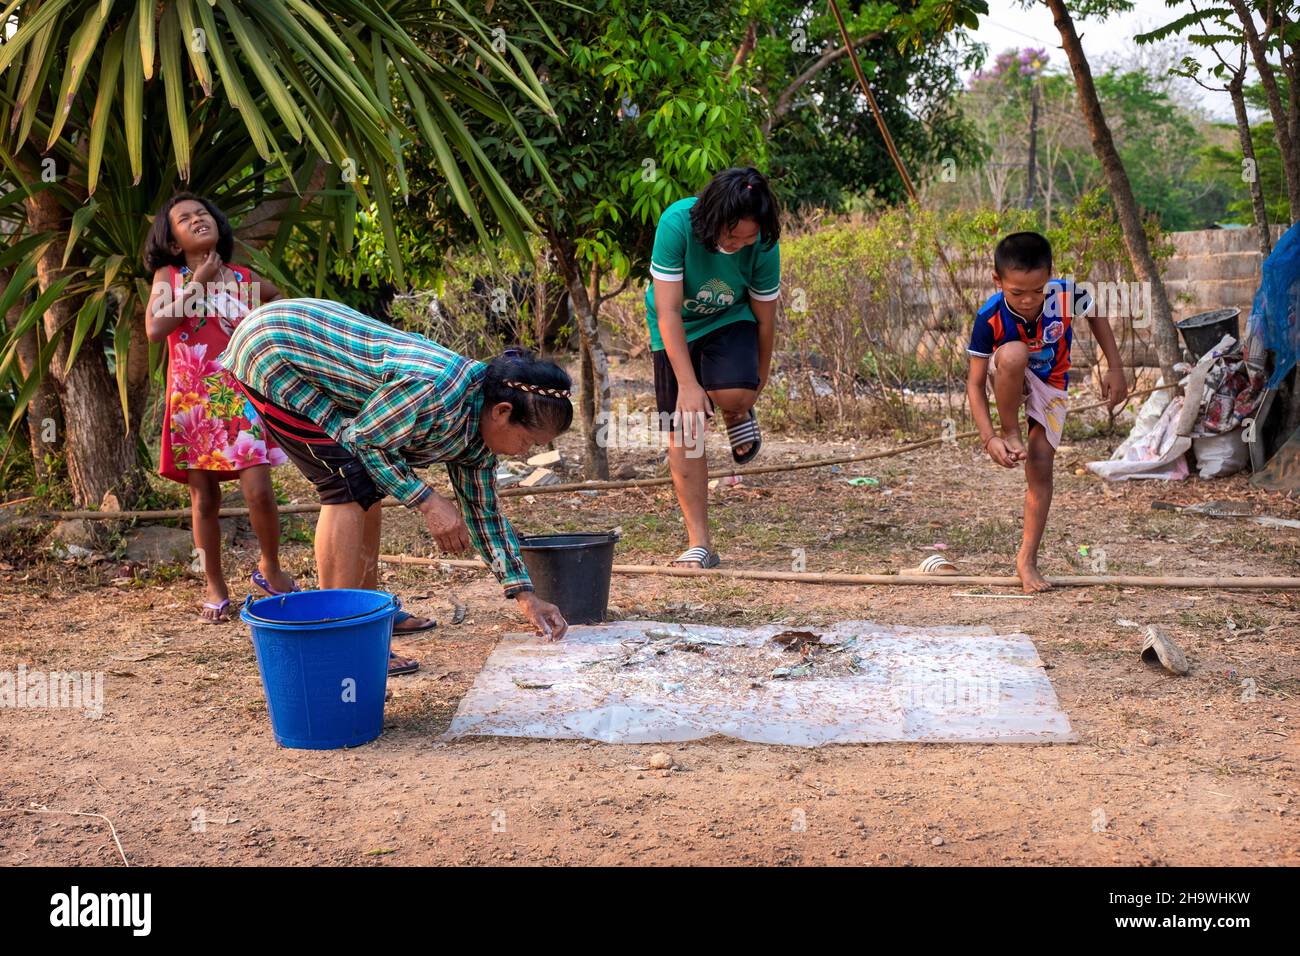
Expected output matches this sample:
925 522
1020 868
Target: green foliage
1160 143
826 150
886 317
241 102
648 107
1226 167
643 116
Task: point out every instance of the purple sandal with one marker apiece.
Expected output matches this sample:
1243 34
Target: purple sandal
220 608
260 580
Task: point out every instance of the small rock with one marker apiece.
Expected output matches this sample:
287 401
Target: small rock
159 545
626 471
937 841
75 533
551 457
661 761
540 477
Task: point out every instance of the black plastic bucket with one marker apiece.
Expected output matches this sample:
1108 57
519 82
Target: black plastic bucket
572 571
1203 331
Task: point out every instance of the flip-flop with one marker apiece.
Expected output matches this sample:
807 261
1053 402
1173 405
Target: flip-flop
260 580
705 557
398 666
404 616
220 608
1159 647
934 564
745 433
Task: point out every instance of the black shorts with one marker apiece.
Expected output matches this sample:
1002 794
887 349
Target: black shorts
339 476
727 357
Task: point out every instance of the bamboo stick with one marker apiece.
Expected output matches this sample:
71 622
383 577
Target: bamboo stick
940 580
516 492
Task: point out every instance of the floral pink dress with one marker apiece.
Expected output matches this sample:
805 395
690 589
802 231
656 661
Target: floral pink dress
208 424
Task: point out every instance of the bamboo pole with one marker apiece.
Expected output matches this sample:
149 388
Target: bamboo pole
570 487
892 580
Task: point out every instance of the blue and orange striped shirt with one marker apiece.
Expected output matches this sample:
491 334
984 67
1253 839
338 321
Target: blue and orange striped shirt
1048 337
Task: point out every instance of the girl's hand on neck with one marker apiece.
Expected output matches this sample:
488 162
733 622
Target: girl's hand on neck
205 267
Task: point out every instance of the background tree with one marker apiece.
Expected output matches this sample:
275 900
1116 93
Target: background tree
1117 179
826 151
259 104
647 111
1214 29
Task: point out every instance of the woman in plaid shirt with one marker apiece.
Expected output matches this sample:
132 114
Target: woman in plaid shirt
358 405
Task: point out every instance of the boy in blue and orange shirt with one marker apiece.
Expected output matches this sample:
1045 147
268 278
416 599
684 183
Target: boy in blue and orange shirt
1020 347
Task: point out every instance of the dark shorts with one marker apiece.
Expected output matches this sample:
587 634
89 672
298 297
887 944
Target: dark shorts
727 357
340 478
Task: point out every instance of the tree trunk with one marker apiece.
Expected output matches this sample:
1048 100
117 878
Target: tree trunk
746 45
263 222
1126 208
100 456
596 405
1282 122
44 418
1248 152
137 374
1291 70
1033 147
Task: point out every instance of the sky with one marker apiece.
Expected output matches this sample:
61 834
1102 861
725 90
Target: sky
1008 25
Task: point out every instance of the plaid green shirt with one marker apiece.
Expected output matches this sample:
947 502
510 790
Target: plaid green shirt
393 399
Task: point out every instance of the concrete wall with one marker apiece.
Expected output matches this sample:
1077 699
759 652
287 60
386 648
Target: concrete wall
1214 269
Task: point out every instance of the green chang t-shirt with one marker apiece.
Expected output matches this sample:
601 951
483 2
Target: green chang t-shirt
716 287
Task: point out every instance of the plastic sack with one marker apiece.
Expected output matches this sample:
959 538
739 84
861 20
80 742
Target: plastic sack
1161 453
1218 456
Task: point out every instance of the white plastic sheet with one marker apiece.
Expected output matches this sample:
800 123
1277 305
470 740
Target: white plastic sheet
938 684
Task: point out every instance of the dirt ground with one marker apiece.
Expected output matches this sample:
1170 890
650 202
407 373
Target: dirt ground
1167 770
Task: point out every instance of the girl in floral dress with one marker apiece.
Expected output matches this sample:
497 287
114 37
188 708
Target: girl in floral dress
210 432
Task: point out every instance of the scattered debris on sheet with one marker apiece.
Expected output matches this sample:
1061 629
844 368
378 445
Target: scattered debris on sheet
852 682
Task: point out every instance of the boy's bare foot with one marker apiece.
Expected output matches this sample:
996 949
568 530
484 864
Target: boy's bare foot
277 577
1030 577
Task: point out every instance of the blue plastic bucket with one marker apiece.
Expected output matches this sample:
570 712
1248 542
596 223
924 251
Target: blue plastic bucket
323 657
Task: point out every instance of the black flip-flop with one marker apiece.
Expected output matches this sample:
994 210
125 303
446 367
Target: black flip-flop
404 616
397 666
745 433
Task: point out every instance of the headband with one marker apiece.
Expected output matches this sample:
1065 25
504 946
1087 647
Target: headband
540 390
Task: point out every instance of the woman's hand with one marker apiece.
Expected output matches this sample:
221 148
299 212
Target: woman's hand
692 410
445 523
545 617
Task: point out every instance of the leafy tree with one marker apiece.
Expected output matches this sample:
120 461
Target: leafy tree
109 106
